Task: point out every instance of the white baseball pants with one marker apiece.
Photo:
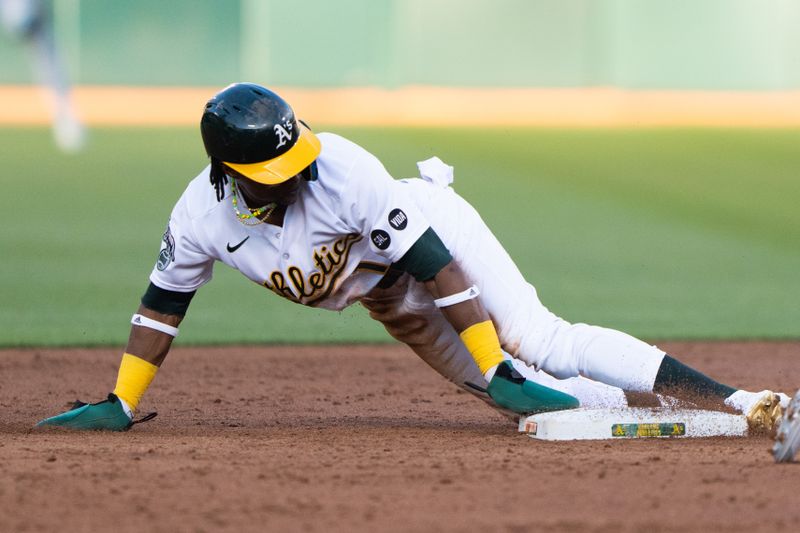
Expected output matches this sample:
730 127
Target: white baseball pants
593 364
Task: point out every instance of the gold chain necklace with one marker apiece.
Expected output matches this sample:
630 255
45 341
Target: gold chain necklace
254 214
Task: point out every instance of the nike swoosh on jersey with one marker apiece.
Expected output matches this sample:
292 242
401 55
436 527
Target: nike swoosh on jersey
232 249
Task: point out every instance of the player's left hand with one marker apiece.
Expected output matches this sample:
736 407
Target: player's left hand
108 414
509 389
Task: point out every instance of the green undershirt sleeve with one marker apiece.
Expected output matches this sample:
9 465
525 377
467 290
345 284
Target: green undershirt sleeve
425 258
167 302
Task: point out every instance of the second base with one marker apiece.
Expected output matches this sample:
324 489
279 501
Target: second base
632 423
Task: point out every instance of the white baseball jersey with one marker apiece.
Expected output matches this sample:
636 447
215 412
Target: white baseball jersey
337 239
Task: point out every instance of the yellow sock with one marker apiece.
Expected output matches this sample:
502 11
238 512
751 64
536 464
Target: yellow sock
482 342
135 375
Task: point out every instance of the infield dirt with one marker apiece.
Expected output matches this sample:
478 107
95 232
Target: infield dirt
364 438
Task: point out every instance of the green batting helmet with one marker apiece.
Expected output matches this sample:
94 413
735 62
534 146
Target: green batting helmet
254 131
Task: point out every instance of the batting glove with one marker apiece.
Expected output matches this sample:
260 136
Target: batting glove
108 414
509 389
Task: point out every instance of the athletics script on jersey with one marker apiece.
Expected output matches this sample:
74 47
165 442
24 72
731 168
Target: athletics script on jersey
311 289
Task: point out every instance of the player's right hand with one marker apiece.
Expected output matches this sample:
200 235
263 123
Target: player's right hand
509 389
108 414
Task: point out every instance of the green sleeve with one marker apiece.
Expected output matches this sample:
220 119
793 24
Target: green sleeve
425 258
167 302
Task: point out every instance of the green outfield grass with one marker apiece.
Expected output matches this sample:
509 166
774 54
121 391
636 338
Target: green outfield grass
661 233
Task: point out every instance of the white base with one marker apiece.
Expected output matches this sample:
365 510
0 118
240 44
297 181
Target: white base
632 422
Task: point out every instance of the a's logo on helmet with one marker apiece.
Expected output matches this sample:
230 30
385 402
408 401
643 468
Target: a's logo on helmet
284 132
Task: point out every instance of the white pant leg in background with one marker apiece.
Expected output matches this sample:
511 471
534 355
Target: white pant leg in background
409 315
20 17
31 22
527 329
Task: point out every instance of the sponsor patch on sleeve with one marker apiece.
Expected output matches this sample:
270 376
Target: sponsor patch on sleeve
398 219
380 239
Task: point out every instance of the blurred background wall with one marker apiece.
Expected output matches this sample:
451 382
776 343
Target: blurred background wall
642 155
632 44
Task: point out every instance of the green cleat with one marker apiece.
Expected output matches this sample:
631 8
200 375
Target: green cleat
108 415
511 390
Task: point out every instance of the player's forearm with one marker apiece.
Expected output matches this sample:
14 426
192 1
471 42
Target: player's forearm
465 312
452 280
150 339
152 345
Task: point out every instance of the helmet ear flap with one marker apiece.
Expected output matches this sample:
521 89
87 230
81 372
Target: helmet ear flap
310 173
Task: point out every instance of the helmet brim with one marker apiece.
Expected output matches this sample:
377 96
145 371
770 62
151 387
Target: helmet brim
285 166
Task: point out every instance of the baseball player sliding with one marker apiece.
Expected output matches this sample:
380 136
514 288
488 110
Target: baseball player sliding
318 220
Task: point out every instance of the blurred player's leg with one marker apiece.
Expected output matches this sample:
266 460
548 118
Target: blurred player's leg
68 131
787 441
21 18
30 21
